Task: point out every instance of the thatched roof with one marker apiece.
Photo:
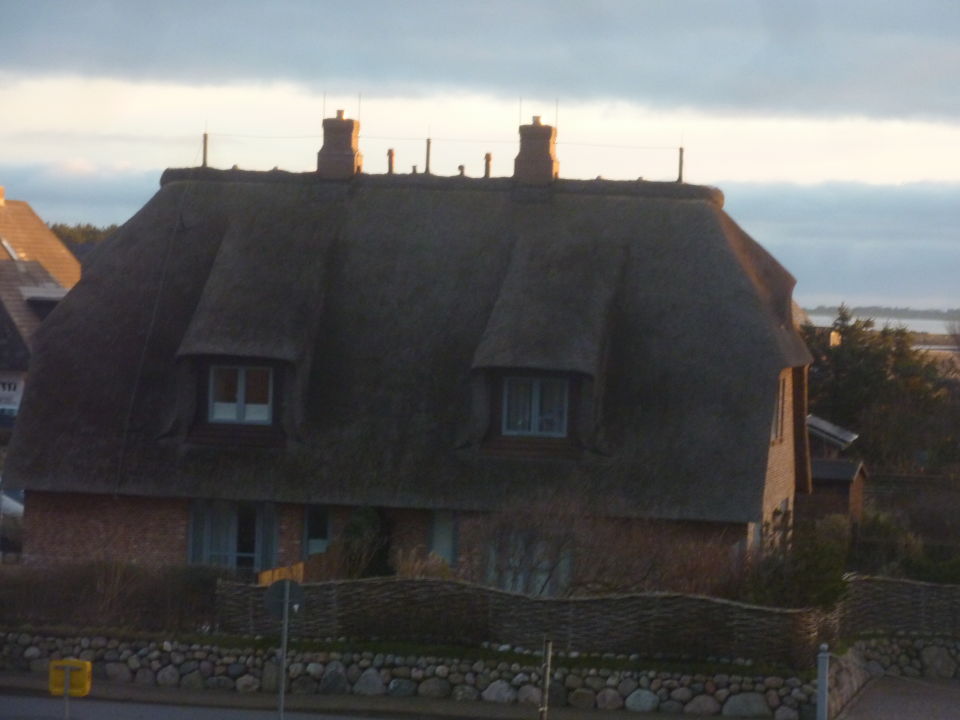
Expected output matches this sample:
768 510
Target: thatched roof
385 299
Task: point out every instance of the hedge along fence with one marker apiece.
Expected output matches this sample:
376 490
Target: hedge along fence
427 610
888 605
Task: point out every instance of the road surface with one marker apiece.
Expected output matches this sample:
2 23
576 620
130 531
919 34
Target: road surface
897 698
25 707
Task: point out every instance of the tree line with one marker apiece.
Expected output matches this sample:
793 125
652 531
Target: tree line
903 402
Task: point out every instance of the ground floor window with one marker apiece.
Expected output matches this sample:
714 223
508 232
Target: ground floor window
233 534
522 562
316 529
443 536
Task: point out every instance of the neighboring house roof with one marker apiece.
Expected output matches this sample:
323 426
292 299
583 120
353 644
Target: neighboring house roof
27 293
388 297
836 470
833 434
28 237
9 506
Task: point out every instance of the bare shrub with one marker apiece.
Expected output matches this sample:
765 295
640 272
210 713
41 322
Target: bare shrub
115 595
565 549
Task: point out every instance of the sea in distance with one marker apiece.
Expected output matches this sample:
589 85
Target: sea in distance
925 325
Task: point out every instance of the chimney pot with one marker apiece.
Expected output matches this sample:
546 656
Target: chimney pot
390 161
536 163
340 157
487 159
462 170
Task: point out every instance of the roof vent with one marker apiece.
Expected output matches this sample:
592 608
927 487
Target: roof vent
536 163
340 158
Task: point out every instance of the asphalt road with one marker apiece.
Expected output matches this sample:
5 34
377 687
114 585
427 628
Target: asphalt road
23 707
895 698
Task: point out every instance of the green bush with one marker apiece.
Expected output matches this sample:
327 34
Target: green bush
809 574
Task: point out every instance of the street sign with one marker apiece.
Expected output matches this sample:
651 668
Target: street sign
273 597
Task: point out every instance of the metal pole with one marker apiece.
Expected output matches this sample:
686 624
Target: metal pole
823 683
427 169
204 149
66 692
680 172
547 672
283 644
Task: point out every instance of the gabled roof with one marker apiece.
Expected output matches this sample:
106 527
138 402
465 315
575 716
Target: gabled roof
26 294
31 240
833 434
844 471
388 298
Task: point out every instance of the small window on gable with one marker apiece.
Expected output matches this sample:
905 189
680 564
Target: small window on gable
241 394
535 406
779 413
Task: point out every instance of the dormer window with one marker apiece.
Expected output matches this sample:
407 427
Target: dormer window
535 406
241 394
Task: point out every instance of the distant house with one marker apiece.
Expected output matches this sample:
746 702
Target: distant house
838 482
36 270
256 355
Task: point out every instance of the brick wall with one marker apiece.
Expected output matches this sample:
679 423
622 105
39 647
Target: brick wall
290 540
781 464
78 527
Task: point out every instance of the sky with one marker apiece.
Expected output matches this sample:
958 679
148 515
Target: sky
832 126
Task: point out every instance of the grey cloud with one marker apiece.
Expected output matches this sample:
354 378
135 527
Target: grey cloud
892 245
101 198
857 243
872 57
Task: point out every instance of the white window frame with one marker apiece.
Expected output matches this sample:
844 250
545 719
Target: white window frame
241 418
537 382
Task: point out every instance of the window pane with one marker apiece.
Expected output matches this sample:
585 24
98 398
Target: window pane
257 386
256 408
443 536
317 529
224 384
518 397
553 407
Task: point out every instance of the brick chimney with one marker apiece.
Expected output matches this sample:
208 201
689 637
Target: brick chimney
536 163
339 158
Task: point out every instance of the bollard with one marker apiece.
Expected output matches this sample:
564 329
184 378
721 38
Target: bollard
823 683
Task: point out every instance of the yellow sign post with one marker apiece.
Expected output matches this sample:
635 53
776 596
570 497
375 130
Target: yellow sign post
70 678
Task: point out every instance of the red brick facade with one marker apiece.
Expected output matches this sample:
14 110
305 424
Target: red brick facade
77 527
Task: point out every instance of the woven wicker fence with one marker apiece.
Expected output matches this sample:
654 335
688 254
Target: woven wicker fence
887 605
651 624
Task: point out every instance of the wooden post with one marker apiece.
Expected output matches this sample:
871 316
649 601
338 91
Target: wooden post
547 672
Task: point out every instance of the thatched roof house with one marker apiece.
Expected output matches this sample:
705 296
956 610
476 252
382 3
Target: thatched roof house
420 344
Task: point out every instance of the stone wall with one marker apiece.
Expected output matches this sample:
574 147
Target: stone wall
171 664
